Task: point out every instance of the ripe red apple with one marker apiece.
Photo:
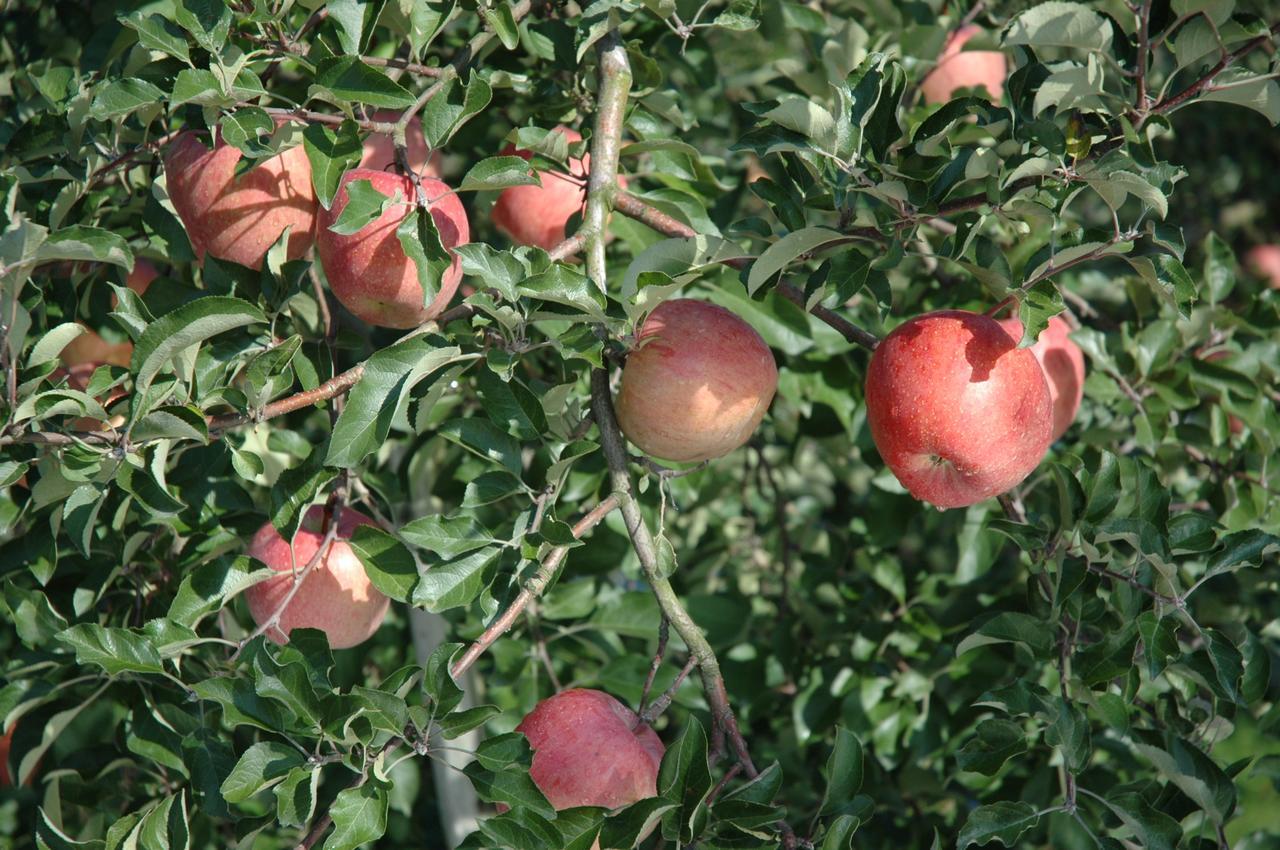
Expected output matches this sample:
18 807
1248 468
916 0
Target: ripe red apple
380 150
537 215
698 383
1264 261
90 347
1063 364
335 597
239 218
370 273
957 410
589 751
958 68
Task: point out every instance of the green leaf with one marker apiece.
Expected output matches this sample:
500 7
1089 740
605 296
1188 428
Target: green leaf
486 440
365 421
1219 268
1060 24
563 285
452 584
389 565
498 172
445 113
1152 828
114 650
261 766
49 346
503 23
359 816
365 205
1244 88
993 743
180 329
685 779
510 405
844 772
331 154
355 20
421 242
208 21
348 79
118 98
207 588
1196 775
447 537
780 254
512 787
90 244
1011 627
156 33
249 129
1003 822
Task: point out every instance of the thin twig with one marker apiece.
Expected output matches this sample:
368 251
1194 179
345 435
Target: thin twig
659 705
664 632
532 589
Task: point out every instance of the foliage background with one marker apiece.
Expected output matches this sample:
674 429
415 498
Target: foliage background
1088 665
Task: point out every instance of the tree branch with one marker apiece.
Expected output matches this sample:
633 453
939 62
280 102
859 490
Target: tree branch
1144 57
606 142
533 588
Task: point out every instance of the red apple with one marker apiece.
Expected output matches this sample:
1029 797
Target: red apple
380 151
698 383
1063 364
537 215
956 409
958 68
6 741
90 347
590 750
1264 261
369 271
335 597
239 218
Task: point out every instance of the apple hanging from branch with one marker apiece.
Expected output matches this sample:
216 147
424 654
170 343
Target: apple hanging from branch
958 412
238 218
336 597
698 383
591 750
369 271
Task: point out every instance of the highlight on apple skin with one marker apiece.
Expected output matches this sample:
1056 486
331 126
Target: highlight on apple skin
240 218
1264 262
90 347
537 215
336 597
1063 364
590 750
380 149
698 383
961 69
369 272
958 412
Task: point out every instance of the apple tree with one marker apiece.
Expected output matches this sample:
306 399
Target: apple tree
662 423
